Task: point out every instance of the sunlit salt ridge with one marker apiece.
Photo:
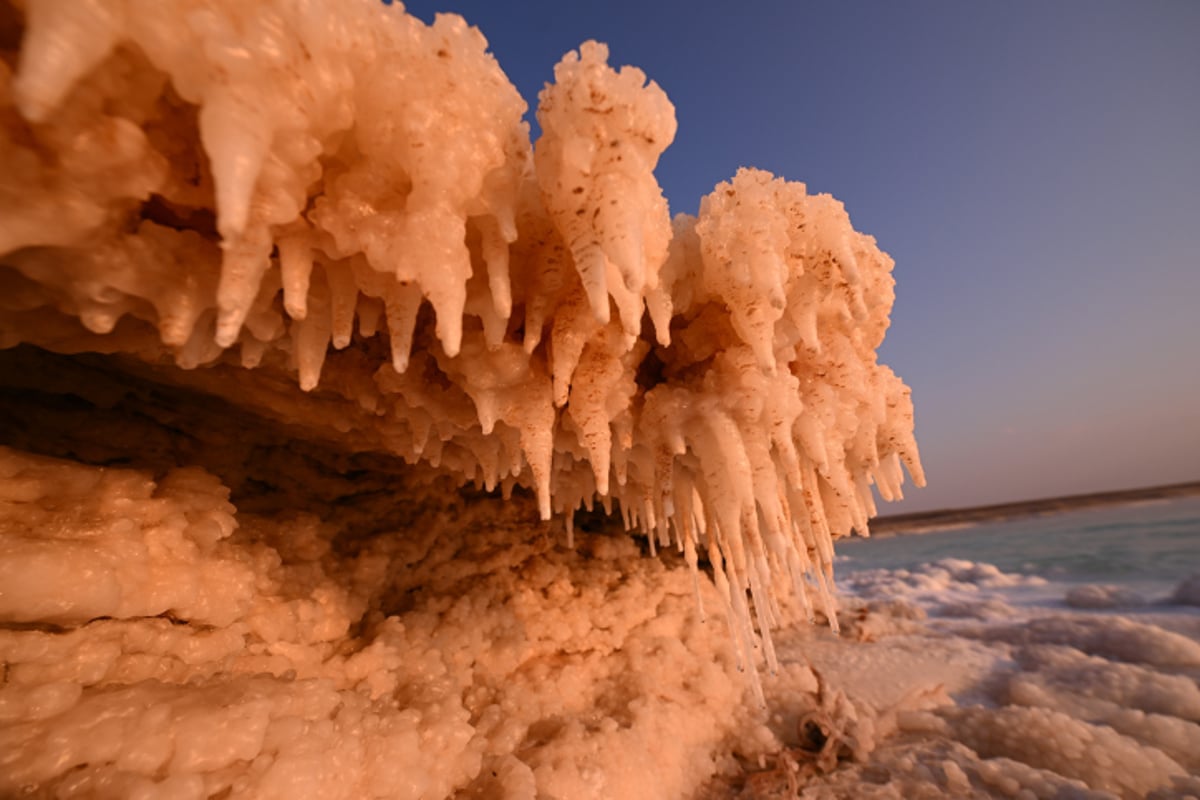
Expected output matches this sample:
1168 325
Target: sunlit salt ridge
267 195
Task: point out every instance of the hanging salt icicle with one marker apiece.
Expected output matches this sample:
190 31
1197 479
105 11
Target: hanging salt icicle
402 302
715 375
295 266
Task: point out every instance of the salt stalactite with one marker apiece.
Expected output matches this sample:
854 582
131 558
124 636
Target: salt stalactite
284 191
603 132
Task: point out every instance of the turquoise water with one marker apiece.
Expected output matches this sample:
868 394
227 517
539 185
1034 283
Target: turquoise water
1146 545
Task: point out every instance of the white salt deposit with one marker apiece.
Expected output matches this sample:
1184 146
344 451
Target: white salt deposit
330 216
466 654
471 654
266 190
517 663
1103 596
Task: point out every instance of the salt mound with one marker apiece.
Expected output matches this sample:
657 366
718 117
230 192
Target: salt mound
331 214
947 577
1176 738
1130 686
1112 637
1052 741
416 667
1103 596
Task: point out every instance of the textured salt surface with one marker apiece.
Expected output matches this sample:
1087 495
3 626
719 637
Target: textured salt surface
255 200
331 214
476 656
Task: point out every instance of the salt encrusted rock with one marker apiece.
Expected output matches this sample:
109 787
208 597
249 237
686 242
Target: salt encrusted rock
263 193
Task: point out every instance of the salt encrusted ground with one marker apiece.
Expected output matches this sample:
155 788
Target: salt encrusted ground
154 648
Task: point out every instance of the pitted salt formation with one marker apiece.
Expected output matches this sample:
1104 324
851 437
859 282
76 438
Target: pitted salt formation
261 201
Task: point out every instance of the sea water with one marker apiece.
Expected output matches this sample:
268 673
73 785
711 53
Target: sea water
1147 547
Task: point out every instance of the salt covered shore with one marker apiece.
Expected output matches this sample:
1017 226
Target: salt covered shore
329 404
160 643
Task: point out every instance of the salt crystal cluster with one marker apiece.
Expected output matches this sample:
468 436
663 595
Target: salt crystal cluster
331 213
157 642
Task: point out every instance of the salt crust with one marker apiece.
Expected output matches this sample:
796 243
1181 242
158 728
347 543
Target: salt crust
1102 596
1049 704
277 195
462 655
473 655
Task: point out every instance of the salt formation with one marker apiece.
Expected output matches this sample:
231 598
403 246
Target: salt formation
1046 702
330 216
264 194
464 655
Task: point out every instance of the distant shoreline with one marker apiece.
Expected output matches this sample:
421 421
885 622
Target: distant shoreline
951 518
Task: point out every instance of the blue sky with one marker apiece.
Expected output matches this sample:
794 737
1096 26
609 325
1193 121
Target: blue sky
1034 169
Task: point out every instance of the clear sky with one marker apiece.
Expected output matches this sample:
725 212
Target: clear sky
1033 168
